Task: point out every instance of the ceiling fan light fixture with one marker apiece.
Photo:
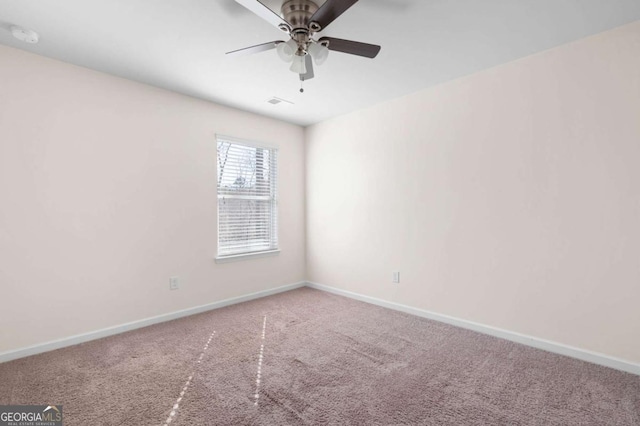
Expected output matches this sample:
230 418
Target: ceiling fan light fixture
298 65
284 52
287 50
318 52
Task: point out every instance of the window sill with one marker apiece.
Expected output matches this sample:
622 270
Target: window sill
246 256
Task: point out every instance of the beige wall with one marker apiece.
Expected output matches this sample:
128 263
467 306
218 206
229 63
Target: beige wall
107 188
510 197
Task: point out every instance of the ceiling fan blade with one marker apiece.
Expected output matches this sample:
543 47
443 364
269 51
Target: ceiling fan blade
352 47
255 49
264 12
308 63
329 11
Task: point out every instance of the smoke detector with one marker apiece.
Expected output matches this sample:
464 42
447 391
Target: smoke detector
23 34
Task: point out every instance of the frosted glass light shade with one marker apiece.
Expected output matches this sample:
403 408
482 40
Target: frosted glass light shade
287 50
298 66
318 52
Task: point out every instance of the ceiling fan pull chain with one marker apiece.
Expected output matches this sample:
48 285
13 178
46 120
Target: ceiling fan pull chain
301 81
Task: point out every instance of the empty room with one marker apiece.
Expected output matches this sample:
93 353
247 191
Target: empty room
319 212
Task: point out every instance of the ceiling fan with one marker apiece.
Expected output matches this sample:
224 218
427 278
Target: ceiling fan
301 20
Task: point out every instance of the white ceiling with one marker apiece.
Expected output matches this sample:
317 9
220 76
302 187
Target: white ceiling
181 45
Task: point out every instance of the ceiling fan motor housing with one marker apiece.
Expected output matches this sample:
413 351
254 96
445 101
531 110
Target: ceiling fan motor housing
298 13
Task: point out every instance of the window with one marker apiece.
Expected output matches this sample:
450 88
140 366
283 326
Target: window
247 198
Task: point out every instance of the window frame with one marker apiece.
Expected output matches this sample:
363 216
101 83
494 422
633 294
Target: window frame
224 258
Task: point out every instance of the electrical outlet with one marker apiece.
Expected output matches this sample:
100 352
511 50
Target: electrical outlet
174 283
396 277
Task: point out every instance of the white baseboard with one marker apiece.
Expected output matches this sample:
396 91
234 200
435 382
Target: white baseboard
558 348
547 345
110 331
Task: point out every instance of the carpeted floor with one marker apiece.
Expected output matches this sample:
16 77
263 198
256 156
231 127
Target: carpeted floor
320 359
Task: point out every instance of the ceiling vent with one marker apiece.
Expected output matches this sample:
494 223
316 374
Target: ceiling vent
275 101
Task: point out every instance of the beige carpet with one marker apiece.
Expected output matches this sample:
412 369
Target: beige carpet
325 360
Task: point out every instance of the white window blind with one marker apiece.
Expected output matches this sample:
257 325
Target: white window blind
247 198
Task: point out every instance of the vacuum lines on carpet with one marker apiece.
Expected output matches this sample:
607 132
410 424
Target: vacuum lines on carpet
257 395
176 406
330 360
